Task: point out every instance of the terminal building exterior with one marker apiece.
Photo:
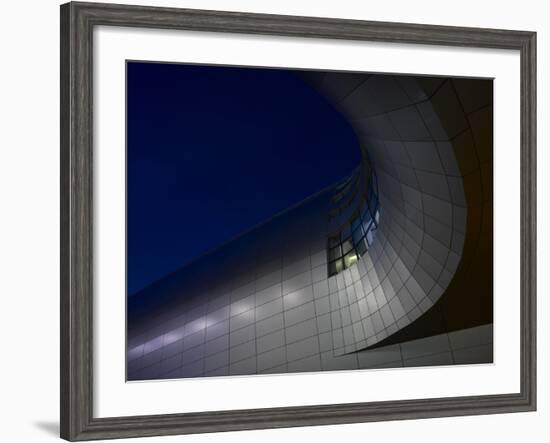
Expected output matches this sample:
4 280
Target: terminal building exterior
391 267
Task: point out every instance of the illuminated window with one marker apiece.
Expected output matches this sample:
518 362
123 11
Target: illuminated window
355 236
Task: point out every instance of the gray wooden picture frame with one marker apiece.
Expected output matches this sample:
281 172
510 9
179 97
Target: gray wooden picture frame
77 23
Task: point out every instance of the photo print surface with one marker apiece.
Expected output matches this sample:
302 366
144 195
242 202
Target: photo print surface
286 221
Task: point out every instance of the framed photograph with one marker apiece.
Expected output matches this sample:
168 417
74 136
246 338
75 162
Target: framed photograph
273 221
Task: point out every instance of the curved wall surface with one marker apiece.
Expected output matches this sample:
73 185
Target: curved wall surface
423 208
416 217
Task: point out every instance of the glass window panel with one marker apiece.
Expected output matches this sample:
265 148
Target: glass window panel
334 253
362 247
367 224
355 220
366 213
357 235
346 232
347 246
350 259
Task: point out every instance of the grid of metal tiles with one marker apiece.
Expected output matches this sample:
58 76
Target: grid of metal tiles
265 304
423 209
468 346
264 317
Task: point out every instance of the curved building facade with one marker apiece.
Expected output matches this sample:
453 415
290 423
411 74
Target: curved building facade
390 267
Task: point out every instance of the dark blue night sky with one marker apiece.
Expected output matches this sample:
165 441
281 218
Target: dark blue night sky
213 151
